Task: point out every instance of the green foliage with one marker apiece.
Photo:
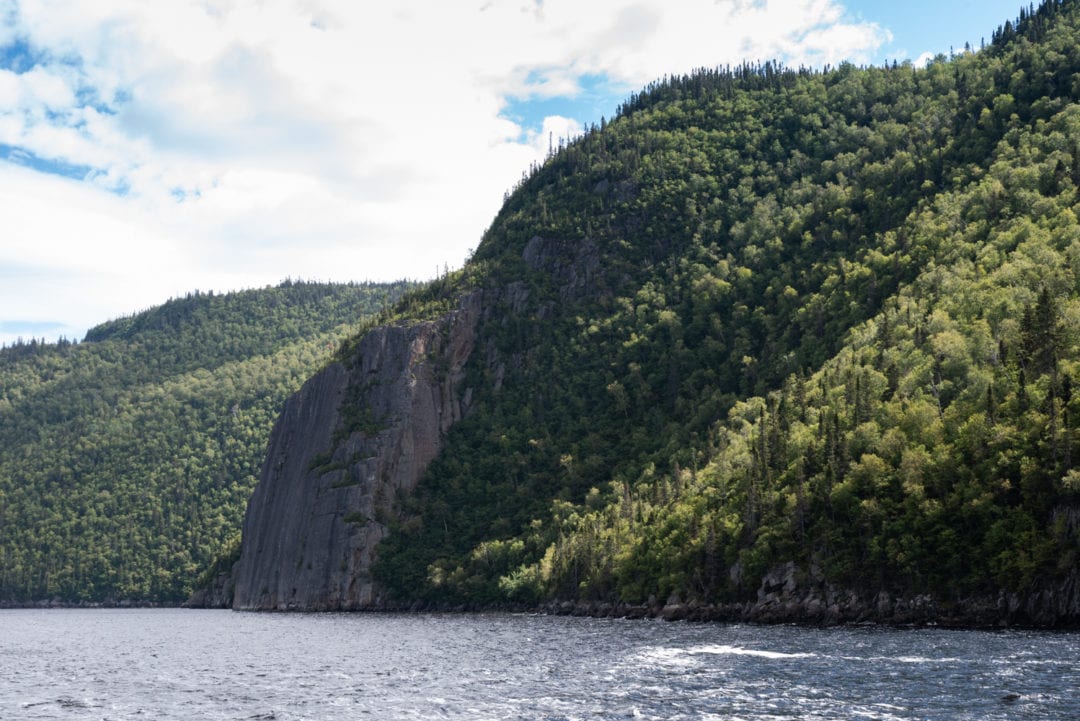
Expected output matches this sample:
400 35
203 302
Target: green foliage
126 460
769 315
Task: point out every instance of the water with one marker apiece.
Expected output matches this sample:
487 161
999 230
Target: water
163 665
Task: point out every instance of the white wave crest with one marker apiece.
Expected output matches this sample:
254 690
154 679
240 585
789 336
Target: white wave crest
725 650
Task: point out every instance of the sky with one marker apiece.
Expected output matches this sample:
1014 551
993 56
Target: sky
148 150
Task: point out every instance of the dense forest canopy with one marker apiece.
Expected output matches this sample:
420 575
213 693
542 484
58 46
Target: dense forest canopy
778 315
126 460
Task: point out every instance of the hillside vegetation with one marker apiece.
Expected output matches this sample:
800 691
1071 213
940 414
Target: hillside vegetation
126 460
770 315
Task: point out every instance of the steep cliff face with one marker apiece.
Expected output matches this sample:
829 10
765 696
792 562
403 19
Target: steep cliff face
346 446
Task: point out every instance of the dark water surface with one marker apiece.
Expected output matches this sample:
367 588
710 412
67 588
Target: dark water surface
206 665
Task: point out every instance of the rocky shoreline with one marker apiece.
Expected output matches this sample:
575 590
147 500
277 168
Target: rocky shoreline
61 603
787 595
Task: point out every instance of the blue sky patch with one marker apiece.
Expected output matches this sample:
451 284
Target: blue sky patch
598 96
25 158
932 26
88 97
21 57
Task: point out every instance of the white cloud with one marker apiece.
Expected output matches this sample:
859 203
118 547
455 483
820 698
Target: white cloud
258 139
76 256
554 132
924 59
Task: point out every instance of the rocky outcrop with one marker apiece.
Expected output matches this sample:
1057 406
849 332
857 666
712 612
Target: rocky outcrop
350 443
354 440
219 594
790 594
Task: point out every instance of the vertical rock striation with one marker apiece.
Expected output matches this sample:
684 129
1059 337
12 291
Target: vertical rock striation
346 446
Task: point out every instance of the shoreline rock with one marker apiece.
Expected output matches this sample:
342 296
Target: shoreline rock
58 603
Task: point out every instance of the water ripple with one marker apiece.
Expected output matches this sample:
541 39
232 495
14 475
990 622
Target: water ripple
221 666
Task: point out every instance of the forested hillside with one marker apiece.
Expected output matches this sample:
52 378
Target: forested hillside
769 315
126 460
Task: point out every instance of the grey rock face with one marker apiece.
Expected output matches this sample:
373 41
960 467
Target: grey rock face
218 595
346 446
